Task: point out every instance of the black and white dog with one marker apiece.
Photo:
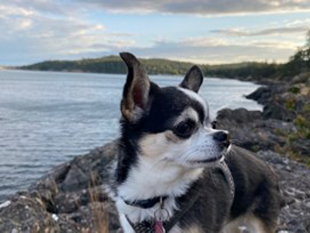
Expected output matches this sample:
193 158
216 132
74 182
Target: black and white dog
168 169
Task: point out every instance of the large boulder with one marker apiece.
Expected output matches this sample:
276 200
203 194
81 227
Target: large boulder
294 181
279 112
261 95
301 78
250 130
70 198
240 115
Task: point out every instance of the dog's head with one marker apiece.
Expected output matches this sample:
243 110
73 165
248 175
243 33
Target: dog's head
170 124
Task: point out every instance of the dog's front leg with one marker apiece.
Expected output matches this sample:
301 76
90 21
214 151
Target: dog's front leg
125 224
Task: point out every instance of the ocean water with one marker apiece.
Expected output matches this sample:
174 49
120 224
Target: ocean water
47 118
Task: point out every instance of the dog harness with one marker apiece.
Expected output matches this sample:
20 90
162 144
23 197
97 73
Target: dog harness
225 169
162 224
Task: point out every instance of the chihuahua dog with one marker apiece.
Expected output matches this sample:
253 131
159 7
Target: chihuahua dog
172 171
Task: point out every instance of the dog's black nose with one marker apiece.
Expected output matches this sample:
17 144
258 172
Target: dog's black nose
223 137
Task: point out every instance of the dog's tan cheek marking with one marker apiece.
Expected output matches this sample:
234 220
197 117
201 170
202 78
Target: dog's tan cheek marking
153 144
172 137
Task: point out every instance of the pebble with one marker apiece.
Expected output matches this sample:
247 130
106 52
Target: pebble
5 204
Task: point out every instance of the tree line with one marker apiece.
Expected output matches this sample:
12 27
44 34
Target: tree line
299 62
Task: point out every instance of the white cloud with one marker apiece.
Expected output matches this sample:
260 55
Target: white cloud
32 35
276 44
263 32
204 41
218 54
11 10
25 24
27 7
210 52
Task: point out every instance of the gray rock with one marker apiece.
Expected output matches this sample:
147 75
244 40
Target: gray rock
277 111
301 78
250 130
261 95
295 186
240 115
69 198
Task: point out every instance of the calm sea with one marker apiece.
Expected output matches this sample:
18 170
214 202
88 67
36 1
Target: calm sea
47 118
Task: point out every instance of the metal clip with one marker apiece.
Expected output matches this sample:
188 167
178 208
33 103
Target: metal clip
161 214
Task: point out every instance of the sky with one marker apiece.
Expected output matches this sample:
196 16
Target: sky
199 31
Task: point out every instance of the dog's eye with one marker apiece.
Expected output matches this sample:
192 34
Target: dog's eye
184 129
213 124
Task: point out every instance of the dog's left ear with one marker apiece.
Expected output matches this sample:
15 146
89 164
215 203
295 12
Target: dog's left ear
136 90
193 79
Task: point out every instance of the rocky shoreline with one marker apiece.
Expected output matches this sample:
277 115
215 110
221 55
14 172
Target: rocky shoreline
70 198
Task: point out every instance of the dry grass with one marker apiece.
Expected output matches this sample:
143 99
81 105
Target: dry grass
99 210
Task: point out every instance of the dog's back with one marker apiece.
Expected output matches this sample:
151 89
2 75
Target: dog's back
256 202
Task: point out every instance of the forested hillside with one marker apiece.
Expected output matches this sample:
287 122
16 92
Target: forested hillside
114 65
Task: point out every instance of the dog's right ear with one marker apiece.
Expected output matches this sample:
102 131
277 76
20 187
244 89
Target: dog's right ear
136 90
193 79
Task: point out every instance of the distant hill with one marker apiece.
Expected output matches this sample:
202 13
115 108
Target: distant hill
114 65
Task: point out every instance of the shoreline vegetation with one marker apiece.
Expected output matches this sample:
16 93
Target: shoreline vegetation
114 65
70 197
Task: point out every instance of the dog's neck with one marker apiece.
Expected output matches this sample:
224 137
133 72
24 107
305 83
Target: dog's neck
147 180
142 179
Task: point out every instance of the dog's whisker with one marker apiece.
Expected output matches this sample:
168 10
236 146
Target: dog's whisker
158 163
165 160
188 153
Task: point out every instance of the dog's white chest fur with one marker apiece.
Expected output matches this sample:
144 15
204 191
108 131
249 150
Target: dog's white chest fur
147 181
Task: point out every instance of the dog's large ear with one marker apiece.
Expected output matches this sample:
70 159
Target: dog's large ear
193 79
136 90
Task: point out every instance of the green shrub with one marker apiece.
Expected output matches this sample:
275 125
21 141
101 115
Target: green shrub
290 104
295 89
301 122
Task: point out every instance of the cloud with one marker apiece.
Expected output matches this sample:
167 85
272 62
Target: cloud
35 6
264 32
218 53
210 52
203 7
32 35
